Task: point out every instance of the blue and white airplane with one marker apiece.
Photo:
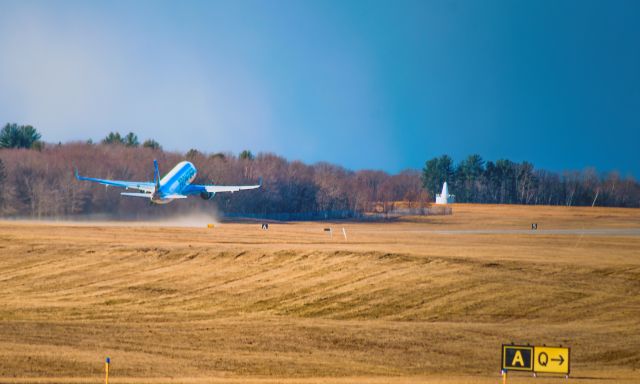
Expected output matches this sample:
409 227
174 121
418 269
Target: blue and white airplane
174 185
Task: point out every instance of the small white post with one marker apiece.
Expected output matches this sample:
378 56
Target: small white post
344 232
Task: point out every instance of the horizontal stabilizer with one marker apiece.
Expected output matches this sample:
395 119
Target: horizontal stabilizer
174 196
136 194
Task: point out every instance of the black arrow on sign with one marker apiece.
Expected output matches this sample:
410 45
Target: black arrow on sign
560 359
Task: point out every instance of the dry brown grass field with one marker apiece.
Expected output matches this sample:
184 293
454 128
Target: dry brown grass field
419 300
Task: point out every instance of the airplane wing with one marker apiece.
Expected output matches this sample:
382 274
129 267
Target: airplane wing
196 188
139 185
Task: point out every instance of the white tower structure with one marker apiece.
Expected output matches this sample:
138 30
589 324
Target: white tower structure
445 197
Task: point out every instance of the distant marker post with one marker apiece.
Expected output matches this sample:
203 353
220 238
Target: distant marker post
106 370
344 232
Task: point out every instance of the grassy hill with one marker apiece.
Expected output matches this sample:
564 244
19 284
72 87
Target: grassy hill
408 301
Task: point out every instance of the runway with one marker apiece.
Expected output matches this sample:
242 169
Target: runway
576 232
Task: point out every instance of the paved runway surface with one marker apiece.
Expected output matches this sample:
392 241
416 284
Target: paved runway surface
577 232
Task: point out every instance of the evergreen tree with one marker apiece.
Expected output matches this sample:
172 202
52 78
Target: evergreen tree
246 155
131 140
435 172
19 136
468 178
113 138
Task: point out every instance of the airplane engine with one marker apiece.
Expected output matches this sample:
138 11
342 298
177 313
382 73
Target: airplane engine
207 195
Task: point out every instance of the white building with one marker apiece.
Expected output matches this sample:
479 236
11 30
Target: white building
445 197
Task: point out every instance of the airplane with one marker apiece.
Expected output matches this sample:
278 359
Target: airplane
174 185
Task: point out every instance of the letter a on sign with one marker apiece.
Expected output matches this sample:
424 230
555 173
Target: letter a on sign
517 358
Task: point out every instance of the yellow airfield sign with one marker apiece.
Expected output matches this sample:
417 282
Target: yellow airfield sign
551 360
530 358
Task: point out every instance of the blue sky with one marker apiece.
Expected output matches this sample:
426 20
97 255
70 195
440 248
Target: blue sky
365 84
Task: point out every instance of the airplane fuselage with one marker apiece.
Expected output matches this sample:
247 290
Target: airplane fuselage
174 185
174 182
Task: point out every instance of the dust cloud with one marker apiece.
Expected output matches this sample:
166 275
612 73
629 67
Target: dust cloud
195 219
188 220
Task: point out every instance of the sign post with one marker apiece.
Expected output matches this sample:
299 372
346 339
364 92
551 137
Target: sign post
106 370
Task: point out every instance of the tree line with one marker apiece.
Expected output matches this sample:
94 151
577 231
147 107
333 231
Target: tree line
41 183
474 180
37 180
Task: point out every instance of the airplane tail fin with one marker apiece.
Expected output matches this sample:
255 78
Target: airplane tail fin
156 174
